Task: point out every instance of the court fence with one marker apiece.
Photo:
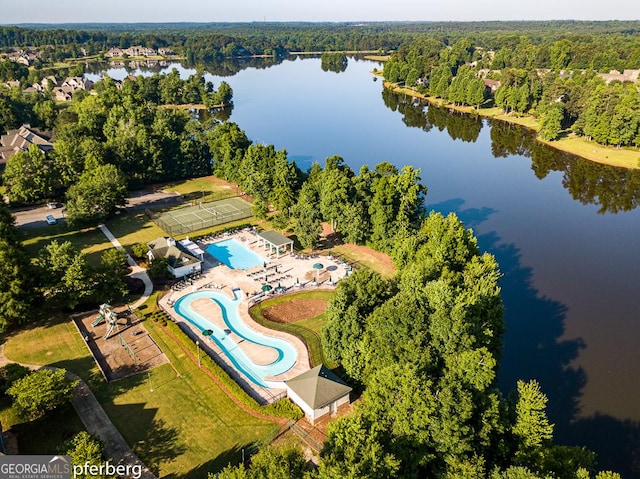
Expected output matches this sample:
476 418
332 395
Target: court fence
200 216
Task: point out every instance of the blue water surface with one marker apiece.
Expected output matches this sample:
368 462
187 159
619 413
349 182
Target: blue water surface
234 254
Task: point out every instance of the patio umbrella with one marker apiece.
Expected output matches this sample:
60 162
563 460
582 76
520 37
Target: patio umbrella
266 287
318 267
207 332
279 287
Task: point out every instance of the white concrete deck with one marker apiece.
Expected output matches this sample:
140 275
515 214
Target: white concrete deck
289 272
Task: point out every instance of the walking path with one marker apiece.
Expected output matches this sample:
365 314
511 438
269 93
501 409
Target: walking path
136 271
96 421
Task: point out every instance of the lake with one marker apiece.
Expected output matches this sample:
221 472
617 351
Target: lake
564 230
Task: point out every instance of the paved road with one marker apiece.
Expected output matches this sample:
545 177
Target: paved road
34 216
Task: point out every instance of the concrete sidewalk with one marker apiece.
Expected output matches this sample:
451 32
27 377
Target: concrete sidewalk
137 271
96 422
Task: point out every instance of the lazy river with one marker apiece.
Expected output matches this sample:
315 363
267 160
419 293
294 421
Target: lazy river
264 375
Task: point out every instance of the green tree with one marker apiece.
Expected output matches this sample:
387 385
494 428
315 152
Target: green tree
41 391
64 275
111 276
28 176
83 449
531 429
551 122
353 450
96 194
11 373
272 462
307 223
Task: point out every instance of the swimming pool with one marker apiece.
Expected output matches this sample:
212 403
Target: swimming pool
234 254
286 353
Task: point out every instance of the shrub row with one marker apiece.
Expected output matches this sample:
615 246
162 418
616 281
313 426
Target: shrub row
281 408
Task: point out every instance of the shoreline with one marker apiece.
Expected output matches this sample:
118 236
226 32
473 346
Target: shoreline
588 150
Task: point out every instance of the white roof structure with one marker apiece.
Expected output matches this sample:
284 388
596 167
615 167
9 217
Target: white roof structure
192 248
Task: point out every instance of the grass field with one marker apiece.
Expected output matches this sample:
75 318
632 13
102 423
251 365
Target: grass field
367 257
90 241
178 421
205 189
308 330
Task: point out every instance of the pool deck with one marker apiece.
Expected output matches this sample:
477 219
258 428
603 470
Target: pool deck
293 275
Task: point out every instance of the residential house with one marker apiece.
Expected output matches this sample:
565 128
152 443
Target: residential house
181 261
625 76
62 94
318 392
114 52
492 85
50 82
165 51
139 51
12 83
77 83
21 139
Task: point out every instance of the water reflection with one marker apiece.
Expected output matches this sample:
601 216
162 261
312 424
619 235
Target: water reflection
611 189
534 348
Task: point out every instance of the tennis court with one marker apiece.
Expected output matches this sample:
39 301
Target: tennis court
203 215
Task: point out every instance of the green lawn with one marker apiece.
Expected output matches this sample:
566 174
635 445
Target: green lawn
203 189
373 260
90 241
132 228
308 330
178 420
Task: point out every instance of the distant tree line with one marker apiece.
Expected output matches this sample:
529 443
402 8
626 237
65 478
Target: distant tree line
555 80
217 41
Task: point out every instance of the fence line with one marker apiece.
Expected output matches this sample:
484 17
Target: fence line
183 226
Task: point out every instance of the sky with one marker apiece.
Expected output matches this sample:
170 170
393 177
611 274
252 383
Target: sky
74 11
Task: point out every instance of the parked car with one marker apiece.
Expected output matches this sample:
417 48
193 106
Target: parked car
51 220
53 205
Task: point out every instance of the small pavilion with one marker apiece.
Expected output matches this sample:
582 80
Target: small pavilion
275 240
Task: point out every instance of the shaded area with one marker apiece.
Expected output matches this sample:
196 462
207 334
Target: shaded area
162 444
231 456
532 349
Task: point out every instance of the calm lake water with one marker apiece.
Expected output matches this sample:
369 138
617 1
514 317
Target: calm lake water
564 231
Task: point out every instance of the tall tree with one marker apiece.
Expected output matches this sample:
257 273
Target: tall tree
96 194
28 176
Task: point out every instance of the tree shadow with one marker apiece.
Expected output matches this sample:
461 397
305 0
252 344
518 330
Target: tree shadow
161 445
532 349
231 456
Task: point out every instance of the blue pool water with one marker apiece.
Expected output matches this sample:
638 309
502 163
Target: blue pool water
255 372
234 254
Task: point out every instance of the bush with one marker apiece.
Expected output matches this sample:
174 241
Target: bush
11 373
139 250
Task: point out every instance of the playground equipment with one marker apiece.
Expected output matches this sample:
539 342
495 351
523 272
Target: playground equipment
102 314
129 349
110 317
